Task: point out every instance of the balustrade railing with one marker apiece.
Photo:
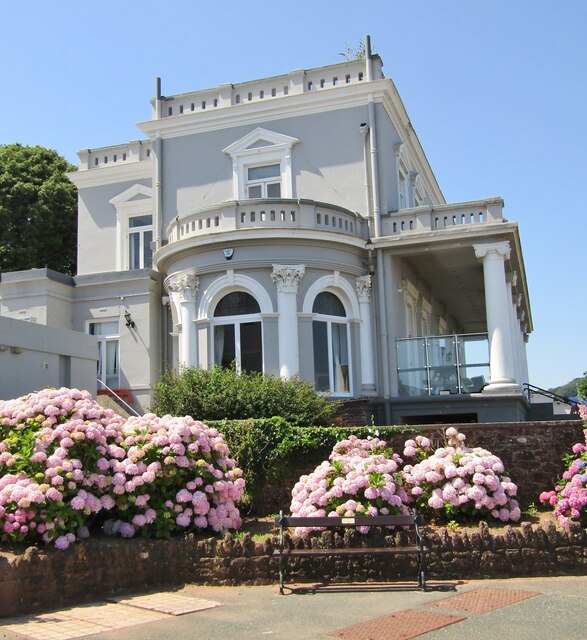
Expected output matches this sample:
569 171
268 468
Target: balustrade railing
446 216
268 214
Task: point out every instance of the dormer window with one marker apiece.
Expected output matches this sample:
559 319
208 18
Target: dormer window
264 181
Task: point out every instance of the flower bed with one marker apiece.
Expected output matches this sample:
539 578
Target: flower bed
569 497
367 477
69 467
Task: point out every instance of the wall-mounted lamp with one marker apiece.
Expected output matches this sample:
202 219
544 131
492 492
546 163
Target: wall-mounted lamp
129 321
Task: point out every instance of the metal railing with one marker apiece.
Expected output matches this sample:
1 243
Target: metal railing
443 365
105 386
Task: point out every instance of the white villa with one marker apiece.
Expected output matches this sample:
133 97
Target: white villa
293 225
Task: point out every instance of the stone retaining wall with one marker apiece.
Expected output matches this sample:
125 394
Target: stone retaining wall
44 579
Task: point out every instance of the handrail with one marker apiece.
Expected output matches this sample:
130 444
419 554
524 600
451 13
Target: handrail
118 397
530 389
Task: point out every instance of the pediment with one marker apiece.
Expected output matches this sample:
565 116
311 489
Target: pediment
135 193
259 138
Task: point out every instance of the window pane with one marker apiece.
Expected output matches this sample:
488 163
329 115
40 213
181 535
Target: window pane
224 346
274 190
236 303
110 367
140 221
328 304
148 252
104 328
268 171
340 357
255 192
443 365
251 346
321 371
134 251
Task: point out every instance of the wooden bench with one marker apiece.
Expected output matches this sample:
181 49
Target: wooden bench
410 522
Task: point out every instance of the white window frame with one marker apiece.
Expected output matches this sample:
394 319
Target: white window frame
141 231
329 321
102 341
236 321
262 182
135 201
257 148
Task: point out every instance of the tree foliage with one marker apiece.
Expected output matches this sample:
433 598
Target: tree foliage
582 387
220 393
38 210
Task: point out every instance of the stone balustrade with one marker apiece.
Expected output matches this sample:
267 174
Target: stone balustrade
296 82
133 151
267 214
446 216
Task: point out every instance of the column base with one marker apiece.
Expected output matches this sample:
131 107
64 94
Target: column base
503 387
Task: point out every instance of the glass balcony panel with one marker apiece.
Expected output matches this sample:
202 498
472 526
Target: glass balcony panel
413 383
442 351
473 349
473 378
411 354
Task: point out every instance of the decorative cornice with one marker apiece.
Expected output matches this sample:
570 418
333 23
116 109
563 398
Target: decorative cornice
287 277
182 286
363 285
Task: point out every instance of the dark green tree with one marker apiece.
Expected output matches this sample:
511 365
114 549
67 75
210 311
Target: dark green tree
582 387
38 210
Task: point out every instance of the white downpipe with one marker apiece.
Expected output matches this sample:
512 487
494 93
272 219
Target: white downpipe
374 168
383 342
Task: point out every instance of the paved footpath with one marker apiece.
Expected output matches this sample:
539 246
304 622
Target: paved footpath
520 609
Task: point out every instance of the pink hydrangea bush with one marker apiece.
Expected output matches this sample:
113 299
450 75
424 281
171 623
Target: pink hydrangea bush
50 443
569 497
359 478
67 464
177 474
459 482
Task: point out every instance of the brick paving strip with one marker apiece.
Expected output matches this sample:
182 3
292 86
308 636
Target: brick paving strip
90 619
482 600
403 625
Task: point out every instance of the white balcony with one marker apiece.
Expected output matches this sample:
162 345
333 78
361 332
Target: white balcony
445 216
270 214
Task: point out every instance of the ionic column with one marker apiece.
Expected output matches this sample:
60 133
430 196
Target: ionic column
287 278
497 306
363 285
182 290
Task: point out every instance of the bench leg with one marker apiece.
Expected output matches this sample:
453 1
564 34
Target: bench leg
421 572
281 573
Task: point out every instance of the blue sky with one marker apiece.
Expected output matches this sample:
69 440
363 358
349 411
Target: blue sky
497 92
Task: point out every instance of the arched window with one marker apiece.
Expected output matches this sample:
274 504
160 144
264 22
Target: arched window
237 332
331 345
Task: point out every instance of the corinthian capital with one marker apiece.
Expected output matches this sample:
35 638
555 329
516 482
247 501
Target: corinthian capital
183 286
363 285
287 277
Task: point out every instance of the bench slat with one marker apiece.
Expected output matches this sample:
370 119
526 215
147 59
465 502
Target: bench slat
337 521
364 551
